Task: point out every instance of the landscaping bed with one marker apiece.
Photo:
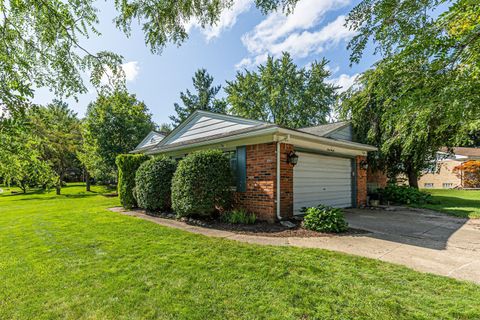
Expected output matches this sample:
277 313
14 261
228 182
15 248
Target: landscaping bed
259 228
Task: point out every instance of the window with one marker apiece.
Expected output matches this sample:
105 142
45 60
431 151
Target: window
238 167
232 156
428 185
447 185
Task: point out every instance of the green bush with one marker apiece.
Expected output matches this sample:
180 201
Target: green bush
127 167
404 195
201 184
153 183
324 219
239 216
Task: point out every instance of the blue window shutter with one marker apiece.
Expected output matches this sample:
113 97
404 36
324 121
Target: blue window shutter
241 169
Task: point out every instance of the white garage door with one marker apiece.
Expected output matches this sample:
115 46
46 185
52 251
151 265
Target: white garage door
319 179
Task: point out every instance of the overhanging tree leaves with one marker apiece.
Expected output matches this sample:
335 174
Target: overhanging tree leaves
282 93
41 47
204 97
433 59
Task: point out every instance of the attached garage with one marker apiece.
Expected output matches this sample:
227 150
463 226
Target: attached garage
276 171
320 179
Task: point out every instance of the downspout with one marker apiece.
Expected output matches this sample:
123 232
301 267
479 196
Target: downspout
279 217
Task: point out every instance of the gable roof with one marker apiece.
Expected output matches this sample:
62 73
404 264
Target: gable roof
324 130
463 151
204 128
204 125
152 139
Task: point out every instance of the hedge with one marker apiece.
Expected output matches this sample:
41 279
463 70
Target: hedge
201 184
153 183
127 166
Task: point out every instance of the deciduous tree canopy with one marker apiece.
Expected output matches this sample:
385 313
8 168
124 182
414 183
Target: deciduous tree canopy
282 93
114 125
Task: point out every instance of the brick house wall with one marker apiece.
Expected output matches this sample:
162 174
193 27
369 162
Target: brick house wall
361 182
443 176
261 188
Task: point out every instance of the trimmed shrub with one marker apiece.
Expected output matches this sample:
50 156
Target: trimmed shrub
153 183
404 195
201 184
127 167
239 216
324 219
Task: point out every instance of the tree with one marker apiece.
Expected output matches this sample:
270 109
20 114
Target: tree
20 158
413 31
469 173
58 129
282 93
41 47
114 124
42 40
165 128
202 99
385 111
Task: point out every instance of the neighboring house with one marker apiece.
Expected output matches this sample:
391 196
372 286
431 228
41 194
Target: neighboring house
441 175
331 168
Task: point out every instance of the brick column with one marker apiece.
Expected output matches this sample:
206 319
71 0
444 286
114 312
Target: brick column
361 182
286 182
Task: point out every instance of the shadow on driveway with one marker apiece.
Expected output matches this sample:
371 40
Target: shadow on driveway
415 227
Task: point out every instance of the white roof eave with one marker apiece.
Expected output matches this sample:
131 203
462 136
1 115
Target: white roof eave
271 130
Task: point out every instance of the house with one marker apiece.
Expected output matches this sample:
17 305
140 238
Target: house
277 170
441 174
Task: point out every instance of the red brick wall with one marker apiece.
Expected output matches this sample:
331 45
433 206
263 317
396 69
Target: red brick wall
260 195
286 182
361 182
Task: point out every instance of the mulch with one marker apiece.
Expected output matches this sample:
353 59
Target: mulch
260 228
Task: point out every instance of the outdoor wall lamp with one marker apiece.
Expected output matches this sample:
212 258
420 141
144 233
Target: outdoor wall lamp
292 158
364 165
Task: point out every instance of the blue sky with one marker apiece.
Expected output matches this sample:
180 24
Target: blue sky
242 39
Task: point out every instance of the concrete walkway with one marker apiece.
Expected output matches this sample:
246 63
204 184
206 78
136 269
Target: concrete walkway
422 240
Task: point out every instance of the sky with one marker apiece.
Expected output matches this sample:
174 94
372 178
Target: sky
241 40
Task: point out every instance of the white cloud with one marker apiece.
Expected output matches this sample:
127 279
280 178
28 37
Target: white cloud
131 70
294 33
228 18
344 81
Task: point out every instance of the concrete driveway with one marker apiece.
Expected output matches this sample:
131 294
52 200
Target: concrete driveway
424 240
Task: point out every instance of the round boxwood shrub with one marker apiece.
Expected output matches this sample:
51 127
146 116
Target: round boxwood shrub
201 184
127 167
153 183
324 219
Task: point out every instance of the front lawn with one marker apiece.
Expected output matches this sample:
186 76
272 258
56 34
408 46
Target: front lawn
460 203
68 257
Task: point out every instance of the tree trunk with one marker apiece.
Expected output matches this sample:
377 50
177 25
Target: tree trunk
413 179
58 187
87 180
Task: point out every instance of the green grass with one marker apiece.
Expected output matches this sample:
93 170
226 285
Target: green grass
68 257
460 203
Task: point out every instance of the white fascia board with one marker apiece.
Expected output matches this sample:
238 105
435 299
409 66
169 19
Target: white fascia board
262 132
273 130
327 141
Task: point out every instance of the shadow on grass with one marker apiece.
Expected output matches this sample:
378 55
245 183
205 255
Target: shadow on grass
459 207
